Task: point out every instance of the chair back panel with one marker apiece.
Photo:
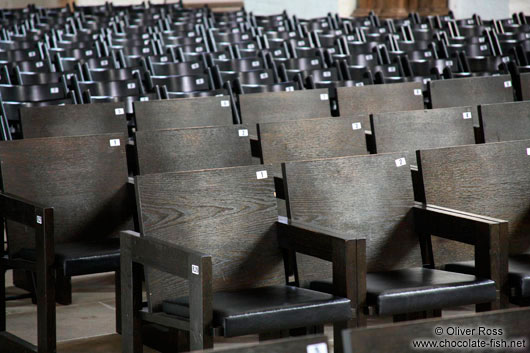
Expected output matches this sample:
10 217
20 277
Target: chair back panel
173 150
229 213
183 112
489 179
368 196
73 119
420 129
525 86
505 121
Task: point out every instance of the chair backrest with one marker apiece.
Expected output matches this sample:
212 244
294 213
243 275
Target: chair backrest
510 325
420 129
488 179
471 91
311 138
282 106
174 150
505 121
73 119
373 99
183 112
229 213
525 86
370 196
84 178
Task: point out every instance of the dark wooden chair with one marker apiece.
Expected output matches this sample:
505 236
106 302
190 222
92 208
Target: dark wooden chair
175 150
183 112
420 129
304 344
282 106
311 138
493 328
84 179
471 91
525 86
491 179
505 121
373 99
371 196
74 119
218 230
36 219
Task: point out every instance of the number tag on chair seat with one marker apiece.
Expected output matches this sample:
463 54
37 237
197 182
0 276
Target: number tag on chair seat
466 115
400 162
243 132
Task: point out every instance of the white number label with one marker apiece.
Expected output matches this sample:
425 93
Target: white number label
88 52
251 46
163 59
350 38
198 40
507 84
283 219
32 54
369 57
131 85
391 69
195 269
428 54
505 59
145 50
222 56
144 99
262 174
199 81
264 75
331 50
292 34
255 63
244 36
39 219
326 74
54 90
289 88
483 47
104 62
195 66
356 126
481 40
317 348
324 97
225 103
198 49
449 63
39 64
466 115
243 132
528 151
278 52
417 92
119 111
400 162
301 43
359 84
314 62
114 142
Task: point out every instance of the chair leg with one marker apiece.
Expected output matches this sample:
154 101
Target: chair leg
63 288
33 283
2 299
117 289
46 314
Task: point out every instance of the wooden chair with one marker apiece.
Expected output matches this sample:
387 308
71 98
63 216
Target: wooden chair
470 91
420 129
510 325
218 230
175 150
84 179
312 138
71 120
183 112
505 121
282 106
525 86
490 179
304 344
371 196
373 99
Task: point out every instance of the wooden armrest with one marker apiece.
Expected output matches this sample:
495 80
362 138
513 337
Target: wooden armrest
21 210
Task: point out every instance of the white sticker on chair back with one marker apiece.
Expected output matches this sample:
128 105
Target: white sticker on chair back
317 348
243 132
400 162
119 111
114 142
262 174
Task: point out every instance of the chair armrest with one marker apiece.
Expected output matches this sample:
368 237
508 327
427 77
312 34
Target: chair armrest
488 235
346 253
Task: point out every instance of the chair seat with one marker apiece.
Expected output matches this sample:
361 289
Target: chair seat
268 309
82 258
418 289
518 273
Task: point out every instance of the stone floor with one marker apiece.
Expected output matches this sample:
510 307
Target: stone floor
88 326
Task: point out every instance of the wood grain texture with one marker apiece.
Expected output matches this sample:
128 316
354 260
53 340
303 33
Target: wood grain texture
291 345
227 213
83 178
505 121
181 113
470 91
379 98
421 129
310 139
525 86
490 179
513 323
361 196
174 150
72 120
282 106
